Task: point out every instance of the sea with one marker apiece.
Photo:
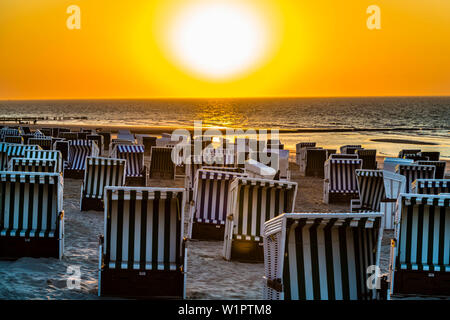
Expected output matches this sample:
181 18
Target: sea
387 124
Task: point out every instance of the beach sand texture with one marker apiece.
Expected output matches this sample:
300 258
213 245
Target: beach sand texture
208 275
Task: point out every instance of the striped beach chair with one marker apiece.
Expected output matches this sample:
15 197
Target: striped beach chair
440 167
136 172
31 216
44 142
161 163
47 155
209 207
9 132
14 139
9 151
252 202
421 249
79 150
370 189
38 134
32 165
321 256
369 158
98 139
340 183
413 172
142 252
100 173
301 145
431 186
390 164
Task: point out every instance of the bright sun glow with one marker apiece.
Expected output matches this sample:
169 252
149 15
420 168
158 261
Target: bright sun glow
218 40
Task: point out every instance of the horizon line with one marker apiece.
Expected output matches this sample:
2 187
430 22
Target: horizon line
230 98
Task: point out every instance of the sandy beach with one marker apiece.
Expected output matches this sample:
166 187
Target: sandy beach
208 275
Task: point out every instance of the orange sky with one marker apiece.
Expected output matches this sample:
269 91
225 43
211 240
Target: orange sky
315 48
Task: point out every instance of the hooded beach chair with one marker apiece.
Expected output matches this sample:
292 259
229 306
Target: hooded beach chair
106 139
47 155
301 145
9 132
32 165
413 172
431 155
125 135
440 167
404 152
136 172
209 207
421 250
31 215
321 256
38 134
340 183
311 161
100 173
378 192
142 252
390 164
68 135
10 150
63 147
79 150
369 158
350 148
147 141
252 202
14 139
44 142
98 139
161 164
431 186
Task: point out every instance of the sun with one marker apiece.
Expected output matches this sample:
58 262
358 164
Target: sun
218 40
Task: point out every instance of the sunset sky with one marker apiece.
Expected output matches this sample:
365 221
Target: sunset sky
249 48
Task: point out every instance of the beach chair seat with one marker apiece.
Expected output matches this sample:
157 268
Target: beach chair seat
350 148
31 215
311 161
48 155
161 164
440 167
142 252
251 202
413 172
321 256
340 183
209 205
100 173
420 256
369 158
44 142
12 150
32 165
79 150
431 155
431 186
136 172
390 164
14 139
